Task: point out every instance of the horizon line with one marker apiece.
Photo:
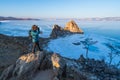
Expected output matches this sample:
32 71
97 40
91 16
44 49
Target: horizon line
63 17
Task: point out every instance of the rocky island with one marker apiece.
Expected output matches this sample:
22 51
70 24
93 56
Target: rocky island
70 28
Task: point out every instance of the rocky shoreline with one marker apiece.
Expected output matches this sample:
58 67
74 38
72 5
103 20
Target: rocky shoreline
30 66
11 48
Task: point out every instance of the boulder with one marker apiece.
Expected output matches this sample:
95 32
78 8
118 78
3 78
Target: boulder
73 27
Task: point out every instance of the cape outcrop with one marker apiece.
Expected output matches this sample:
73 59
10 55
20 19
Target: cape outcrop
70 28
57 31
73 27
39 66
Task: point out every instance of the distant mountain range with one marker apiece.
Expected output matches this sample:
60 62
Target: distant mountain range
92 19
102 19
14 18
80 19
86 19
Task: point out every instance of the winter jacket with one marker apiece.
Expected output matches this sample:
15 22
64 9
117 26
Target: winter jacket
35 35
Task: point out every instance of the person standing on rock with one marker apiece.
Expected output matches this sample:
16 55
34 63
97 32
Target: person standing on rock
34 35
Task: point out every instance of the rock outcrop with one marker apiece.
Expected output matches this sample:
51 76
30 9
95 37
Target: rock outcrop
30 65
11 48
39 65
71 28
57 31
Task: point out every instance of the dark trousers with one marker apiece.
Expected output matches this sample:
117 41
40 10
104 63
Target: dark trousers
36 44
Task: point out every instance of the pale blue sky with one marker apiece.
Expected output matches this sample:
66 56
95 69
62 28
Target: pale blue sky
60 8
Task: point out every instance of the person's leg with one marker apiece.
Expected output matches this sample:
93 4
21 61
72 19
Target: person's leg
39 46
33 48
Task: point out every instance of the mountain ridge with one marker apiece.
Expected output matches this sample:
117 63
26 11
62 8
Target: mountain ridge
15 18
79 19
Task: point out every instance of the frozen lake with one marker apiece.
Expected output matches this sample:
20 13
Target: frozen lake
102 31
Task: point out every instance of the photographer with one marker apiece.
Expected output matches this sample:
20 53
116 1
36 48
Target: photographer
34 35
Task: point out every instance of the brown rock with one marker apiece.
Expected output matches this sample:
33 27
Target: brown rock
39 66
57 31
28 65
24 68
73 27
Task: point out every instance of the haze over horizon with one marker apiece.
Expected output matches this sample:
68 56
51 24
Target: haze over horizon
60 8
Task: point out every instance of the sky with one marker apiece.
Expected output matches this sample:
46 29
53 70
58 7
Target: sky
60 8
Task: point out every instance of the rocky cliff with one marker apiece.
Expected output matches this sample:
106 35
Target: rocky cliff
11 48
70 28
39 66
73 27
57 31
